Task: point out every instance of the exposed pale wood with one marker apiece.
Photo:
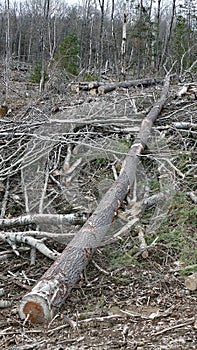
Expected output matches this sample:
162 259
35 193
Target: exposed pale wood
188 88
183 91
74 88
143 245
93 92
95 84
185 125
191 282
55 285
106 88
193 197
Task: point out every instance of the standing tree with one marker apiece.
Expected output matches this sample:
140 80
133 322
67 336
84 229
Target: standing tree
124 37
169 35
7 58
101 3
43 41
114 41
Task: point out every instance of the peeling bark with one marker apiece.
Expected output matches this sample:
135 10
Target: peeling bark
53 219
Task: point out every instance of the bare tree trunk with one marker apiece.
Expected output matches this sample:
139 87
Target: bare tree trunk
44 30
149 42
158 44
166 45
124 37
52 41
52 289
20 33
101 2
7 58
139 47
30 42
90 46
114 45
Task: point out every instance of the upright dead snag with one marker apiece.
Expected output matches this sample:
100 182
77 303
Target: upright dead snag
124 37
50 292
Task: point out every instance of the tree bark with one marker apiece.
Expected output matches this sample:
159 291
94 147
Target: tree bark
101 3
53 219
43 40
124 37
52 289
140 82
114 43
103 88
8 52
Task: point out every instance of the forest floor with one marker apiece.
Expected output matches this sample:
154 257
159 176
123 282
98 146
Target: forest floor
125 299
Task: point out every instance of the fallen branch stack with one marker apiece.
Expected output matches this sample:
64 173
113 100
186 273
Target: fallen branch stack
50 292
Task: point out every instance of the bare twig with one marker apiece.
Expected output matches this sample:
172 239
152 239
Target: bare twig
186 323
100 268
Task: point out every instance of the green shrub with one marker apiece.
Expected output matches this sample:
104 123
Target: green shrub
90 77
68 54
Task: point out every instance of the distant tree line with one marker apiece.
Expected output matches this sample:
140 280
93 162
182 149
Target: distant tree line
89 36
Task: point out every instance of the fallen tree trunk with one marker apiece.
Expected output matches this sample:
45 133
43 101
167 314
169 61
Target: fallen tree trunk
140 82
103 88
51 290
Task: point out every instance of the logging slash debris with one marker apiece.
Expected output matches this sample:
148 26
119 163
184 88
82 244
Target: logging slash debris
40 304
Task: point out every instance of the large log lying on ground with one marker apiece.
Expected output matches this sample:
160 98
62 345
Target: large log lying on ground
103 88
140 82
50 292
